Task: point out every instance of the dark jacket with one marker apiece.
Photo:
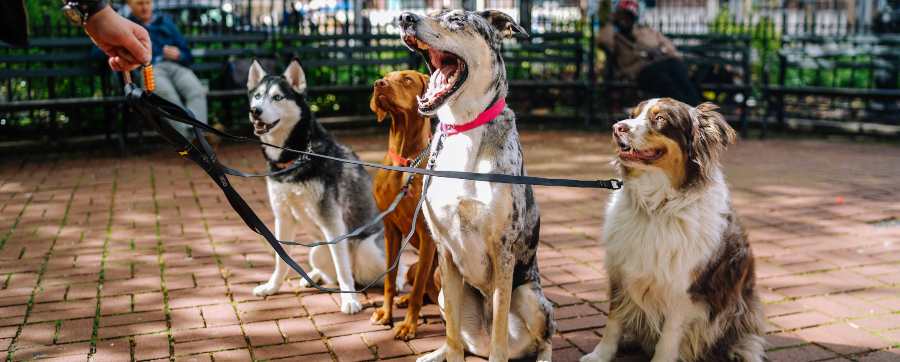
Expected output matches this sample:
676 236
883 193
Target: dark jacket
13 23
164 32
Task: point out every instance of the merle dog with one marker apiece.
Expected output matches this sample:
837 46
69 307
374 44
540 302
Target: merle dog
486 233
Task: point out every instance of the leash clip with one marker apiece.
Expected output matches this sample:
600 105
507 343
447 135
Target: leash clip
615 184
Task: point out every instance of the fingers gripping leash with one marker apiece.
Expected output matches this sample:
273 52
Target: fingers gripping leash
147 72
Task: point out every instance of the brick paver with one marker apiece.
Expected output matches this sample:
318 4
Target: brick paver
140 258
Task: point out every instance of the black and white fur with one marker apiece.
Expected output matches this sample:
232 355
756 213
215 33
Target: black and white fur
329 198
680 267
486 233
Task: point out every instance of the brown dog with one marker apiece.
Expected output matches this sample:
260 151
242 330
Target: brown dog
395 94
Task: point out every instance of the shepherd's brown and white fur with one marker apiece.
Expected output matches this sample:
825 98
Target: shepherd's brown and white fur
486 233
680 268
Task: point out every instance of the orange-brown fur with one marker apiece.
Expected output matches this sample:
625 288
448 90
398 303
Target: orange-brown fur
672 162
395 94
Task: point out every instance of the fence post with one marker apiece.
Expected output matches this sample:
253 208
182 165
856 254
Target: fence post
782 74
525 14
468 5
592 73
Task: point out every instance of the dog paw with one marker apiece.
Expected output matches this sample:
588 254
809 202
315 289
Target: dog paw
350 305
593 357
403 301
316 277
381 316
266 289
405 331
438 355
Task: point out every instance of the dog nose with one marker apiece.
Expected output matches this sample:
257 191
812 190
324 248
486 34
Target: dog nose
621 127
408 18
381 83
256 111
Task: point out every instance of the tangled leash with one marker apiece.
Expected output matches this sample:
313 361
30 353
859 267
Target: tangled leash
156 111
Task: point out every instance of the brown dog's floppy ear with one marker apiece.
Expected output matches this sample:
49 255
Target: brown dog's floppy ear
504 24
379 112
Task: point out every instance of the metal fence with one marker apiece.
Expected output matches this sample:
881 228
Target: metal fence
56 89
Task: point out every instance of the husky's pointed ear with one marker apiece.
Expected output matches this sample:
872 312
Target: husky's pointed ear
256 74
504 24
295 76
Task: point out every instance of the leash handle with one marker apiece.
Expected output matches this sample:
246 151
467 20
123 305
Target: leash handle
149 81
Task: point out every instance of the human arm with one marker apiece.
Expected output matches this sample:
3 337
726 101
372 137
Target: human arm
127 44
606 38
179 50
667 47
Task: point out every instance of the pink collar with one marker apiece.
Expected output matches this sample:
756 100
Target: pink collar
485 117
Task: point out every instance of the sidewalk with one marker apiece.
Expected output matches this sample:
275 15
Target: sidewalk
141 258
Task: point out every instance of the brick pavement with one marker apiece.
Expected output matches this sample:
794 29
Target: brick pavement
140 258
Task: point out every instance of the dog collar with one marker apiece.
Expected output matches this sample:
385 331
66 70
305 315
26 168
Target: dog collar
485 117
284 165
400 160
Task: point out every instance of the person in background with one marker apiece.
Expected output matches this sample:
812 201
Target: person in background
125 43
646 56
171 58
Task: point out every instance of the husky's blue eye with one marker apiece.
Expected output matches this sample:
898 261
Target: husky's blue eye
277 97
257 96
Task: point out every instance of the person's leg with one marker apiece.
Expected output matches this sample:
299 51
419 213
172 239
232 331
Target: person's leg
657 80
668 78
679 73
165 88
191 90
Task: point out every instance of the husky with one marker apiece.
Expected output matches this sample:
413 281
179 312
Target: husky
329 197
486 233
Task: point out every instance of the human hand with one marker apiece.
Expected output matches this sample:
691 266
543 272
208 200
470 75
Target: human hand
127 44
171 53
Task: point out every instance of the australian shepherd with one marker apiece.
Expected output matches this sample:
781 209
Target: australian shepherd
680 268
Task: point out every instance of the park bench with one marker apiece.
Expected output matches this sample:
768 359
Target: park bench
545 74
719 65
55 82
342 68
849 83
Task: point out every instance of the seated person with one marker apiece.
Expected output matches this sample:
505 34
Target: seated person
645 55
171 57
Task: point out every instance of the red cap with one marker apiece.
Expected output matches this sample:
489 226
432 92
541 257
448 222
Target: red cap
630 6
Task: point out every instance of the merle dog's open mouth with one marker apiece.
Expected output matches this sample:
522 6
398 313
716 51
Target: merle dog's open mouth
628 153
260 128
448 73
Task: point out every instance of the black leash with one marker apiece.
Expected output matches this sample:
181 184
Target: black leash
147 103
378 218
177 114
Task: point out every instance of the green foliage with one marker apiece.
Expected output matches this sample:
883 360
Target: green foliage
764 39
43 15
